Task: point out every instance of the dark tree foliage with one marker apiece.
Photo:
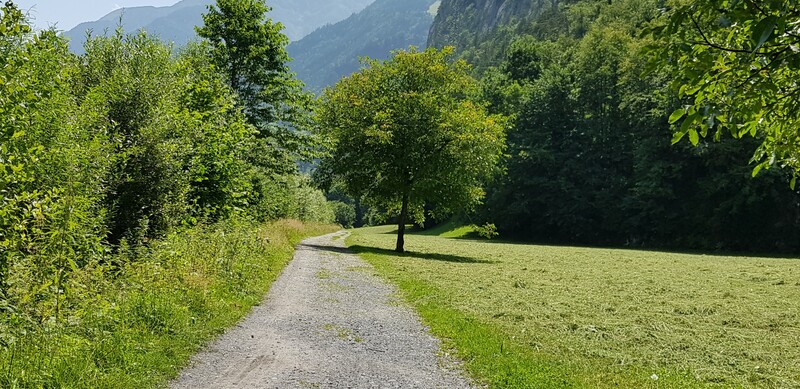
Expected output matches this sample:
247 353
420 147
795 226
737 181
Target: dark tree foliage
590 159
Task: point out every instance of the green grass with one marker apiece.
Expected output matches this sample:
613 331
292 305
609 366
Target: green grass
138 325
449 230
538 316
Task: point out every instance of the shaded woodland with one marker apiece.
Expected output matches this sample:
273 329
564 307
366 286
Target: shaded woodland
590 157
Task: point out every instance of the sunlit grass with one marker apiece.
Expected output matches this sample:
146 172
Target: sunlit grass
138 328
539 316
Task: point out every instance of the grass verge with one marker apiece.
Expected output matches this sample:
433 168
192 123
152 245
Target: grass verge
135 324
526 316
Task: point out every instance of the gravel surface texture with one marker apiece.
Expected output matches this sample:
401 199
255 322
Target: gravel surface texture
328 322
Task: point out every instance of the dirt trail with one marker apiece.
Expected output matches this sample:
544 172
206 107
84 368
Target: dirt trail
328 322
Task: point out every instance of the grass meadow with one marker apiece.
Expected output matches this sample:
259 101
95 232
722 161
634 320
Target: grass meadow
529 316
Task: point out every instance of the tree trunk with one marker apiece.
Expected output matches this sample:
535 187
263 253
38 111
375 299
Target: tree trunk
401 226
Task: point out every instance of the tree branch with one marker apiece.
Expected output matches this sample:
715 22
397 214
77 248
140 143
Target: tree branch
707 42
755 5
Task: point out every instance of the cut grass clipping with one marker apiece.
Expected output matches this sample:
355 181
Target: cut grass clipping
138 328
526 316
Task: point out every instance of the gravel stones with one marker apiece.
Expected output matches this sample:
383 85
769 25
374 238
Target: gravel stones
328 322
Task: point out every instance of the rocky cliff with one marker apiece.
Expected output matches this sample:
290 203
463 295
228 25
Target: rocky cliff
463 22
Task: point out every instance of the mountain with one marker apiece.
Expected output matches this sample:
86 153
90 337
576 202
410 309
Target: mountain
482 30
461 22
331 52
176 23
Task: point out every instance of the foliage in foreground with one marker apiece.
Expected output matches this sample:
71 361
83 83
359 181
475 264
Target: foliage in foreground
735 66
407 133
116 148
544 317
102 156
136 323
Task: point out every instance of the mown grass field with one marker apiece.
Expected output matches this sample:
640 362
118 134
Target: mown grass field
538 316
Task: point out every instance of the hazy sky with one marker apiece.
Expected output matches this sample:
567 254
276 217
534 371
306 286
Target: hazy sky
66 14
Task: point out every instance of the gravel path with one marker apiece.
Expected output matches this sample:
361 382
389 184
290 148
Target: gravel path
328 322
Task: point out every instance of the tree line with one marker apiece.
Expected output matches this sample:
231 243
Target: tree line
590 156
119 146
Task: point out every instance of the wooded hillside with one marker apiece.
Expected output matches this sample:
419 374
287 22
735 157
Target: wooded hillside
590 157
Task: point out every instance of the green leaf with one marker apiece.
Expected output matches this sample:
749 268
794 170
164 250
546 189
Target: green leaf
793 183
763 31
694 137
753 129
689 122
677 115
758 169
677 137
676 22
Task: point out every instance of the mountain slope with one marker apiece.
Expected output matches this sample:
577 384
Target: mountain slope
176 23
324 56
482 30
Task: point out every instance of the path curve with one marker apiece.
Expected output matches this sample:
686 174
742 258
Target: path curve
328 322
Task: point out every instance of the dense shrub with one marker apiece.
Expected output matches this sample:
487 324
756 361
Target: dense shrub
113 165
344 213
51 216
132 87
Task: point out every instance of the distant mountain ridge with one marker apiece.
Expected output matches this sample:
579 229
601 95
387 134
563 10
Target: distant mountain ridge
331 52
176 23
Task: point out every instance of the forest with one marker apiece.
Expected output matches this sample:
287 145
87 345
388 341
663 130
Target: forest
591 159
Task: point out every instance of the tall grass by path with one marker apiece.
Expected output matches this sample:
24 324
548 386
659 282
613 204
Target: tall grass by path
538 316
135 325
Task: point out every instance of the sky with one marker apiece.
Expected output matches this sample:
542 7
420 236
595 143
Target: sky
66 14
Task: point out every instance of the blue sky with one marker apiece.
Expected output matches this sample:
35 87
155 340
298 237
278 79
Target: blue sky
66 14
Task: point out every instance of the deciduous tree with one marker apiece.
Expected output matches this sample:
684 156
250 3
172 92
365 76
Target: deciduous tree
405 133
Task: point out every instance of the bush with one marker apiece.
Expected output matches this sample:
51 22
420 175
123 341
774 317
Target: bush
344 213
107 161
291 197
488 231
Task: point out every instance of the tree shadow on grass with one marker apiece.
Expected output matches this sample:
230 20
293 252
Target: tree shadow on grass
357 249
427 256
472 236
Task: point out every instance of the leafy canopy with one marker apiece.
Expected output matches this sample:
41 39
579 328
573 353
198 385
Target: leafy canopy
405 134
736 64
